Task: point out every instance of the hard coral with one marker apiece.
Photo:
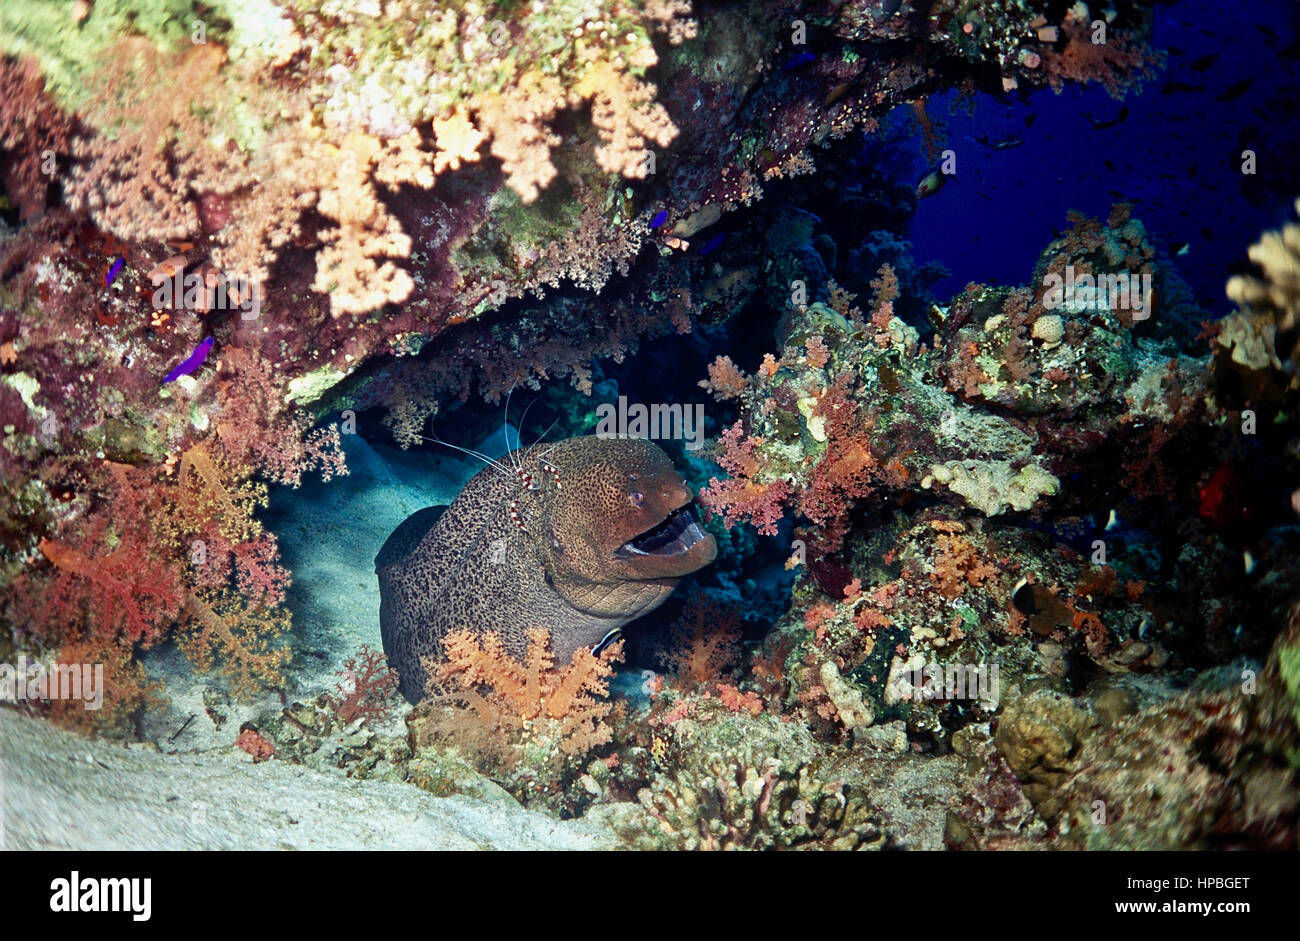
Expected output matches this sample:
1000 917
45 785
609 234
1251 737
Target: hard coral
518 124
1257 337
253 742
626 115
346 266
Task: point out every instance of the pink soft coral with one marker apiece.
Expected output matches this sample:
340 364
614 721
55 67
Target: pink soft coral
742 498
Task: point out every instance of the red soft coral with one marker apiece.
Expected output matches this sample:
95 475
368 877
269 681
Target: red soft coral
123 592
258 575
847 469
366 692
741 498
110 579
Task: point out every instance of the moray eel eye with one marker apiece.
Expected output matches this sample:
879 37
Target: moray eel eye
674 536
637 497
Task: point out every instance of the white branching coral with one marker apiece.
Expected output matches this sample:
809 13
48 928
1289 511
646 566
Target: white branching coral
673 19
346 266
626 115
457 140
1278 256
1269 306
518 122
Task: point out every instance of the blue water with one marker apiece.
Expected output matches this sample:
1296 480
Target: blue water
1176 157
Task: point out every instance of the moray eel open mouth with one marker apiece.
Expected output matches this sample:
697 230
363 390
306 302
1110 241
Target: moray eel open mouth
674 536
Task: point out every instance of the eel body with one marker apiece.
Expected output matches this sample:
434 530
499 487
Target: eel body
578 537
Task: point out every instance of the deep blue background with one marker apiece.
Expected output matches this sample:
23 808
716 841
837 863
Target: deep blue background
1176 157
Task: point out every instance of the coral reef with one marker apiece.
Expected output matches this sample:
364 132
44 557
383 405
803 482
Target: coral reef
1014 521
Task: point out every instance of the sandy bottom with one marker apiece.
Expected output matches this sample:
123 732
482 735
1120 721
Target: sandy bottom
61 791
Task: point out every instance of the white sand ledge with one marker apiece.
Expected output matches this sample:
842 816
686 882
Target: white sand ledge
59 790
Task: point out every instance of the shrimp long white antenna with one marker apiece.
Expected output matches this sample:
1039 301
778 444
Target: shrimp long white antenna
505 430
545 433
477 455
543 455
519 429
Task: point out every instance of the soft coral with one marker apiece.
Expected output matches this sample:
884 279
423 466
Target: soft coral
742 497
125 591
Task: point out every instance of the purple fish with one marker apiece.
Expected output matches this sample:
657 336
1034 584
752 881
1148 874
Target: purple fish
112 272
712 243
802 58
660 218
191 363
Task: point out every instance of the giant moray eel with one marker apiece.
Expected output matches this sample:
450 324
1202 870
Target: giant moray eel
578 537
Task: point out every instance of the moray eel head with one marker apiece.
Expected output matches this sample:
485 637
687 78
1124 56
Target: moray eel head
622 518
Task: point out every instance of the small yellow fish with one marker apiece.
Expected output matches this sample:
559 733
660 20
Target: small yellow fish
930 184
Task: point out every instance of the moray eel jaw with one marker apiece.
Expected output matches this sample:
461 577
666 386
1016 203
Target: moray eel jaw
661 537
678 535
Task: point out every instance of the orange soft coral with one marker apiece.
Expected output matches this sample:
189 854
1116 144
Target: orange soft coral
957 564
705 641
511 693
726 381
1118 62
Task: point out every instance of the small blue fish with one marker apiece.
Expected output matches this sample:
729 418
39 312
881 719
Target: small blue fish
191 362
660 218
112 272
712 243
802 58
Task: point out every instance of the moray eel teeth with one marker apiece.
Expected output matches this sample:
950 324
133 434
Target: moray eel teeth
674 536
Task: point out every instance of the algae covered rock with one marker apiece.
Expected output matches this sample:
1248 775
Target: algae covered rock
1039 735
